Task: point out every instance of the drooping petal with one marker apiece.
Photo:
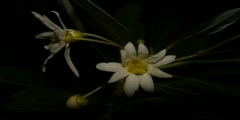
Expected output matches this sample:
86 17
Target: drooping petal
157 56
69 61
166 60
45 35
146 82
60 20
131 85
45 21
158 73
119 75
109 67
130 50
142 51
45 62
56 47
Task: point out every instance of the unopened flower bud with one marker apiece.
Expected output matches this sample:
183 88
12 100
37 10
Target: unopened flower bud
76 101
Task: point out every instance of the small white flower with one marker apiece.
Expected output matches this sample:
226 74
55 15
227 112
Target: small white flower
137 67
60 39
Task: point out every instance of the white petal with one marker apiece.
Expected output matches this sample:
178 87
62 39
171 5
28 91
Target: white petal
45 35
45 21
142 51
124 57
130 50
46 47
131 85
157 56
118 75
110 67
60 20
45 62
60 34
69 61
158 73
56 47
146 82
52 24
166 60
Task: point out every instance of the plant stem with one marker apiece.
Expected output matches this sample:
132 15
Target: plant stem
102 38
95 90
97 41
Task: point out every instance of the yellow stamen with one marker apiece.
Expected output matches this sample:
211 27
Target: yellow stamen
137 67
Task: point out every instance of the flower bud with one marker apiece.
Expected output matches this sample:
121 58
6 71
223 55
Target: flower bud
76 101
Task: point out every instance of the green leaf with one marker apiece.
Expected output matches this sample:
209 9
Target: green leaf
23 77
39 99
116 31
129 15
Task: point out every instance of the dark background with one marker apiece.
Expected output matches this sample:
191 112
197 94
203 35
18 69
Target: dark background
19 48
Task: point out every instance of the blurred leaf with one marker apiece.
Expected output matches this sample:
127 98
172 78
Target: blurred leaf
214 25
175 64
219 23
117 32
221 72
187 48
21 76
225 52
228 76
129 15
39 99
67 6
171 90
153 101
201 86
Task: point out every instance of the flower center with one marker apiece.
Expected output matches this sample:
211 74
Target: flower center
137 67
72 35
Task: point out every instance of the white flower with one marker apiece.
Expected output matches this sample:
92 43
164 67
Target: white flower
60 39
137 67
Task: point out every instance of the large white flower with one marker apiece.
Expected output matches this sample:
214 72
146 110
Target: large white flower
137 67
60 39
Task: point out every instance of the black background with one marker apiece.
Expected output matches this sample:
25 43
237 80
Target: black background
18 27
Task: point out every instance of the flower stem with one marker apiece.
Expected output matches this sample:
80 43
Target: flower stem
95 90
208 49
98 41
100 37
